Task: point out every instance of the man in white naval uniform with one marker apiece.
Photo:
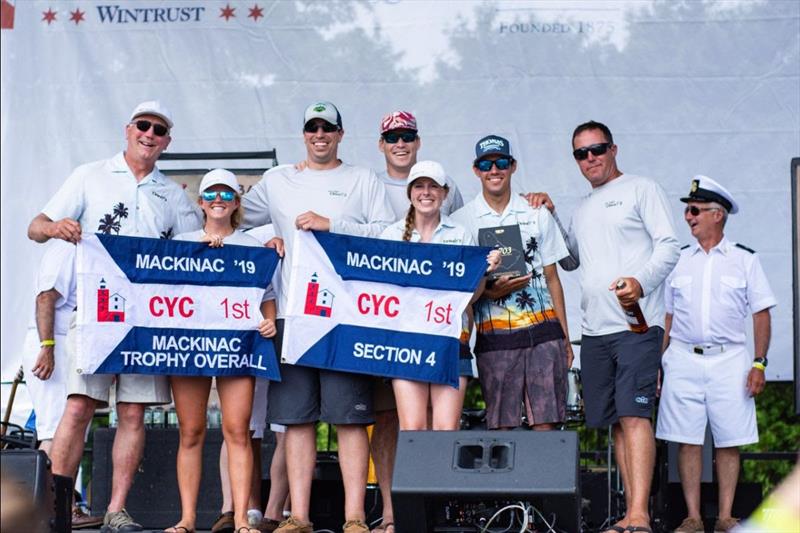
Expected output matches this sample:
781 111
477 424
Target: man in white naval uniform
709 374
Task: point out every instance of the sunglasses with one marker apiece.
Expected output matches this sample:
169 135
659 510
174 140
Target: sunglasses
695 211
327 127
392 137
503 163
225 196
159 130
597 149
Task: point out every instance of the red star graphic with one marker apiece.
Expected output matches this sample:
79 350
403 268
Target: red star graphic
49 16
227 12
77 16
255 12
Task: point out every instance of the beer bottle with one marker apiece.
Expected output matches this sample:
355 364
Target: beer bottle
633 313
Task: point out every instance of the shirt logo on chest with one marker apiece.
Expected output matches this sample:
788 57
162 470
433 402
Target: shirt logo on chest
613 203
337 193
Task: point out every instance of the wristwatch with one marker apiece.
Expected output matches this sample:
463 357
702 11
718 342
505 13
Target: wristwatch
762 361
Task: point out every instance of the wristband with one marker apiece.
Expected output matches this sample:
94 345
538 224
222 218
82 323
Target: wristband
759 366
47 342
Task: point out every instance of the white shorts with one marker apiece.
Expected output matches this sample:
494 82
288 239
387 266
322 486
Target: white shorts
131 388
50 396
258 418
699 388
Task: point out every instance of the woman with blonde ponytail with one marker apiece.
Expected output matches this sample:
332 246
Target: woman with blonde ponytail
427 188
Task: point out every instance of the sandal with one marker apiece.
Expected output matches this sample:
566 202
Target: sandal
247 529
178 529
615 529
388 527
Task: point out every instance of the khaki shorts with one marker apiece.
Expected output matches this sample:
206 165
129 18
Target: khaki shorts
131 388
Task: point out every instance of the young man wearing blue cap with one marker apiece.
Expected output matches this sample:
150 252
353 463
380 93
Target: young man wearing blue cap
325 195
709 375
522 344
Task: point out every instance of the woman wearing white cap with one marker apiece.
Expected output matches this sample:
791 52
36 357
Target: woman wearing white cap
219 199
427 188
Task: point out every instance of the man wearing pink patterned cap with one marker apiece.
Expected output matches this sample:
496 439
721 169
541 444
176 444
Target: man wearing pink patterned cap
399 143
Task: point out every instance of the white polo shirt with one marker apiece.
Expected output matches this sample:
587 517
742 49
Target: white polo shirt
104 197
623 228
57 271
351 197
396 191
710 295
447 232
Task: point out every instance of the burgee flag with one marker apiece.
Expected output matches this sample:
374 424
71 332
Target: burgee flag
379 307
153 306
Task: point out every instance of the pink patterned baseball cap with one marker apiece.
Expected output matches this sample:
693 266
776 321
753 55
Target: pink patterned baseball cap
398 120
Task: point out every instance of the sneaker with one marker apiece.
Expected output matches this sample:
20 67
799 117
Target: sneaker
268 525
82 520
355 526
119 522
293 525
691 525
224 523
725 524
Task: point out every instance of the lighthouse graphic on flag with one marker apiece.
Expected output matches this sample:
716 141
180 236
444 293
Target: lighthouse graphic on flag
318 302
110 308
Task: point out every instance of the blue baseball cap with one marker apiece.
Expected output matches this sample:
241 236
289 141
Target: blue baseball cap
492 144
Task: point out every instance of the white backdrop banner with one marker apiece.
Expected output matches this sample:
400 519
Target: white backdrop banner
709 87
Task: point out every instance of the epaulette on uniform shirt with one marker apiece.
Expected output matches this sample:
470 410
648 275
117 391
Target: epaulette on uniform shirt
745 248
685 246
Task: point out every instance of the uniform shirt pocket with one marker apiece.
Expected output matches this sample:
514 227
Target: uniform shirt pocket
733 290
681 290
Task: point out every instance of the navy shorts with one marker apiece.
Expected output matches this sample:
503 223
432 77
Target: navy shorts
306 395
619 373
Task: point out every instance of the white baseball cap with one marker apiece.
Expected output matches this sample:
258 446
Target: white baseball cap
427 169
219 176
324 110
153 107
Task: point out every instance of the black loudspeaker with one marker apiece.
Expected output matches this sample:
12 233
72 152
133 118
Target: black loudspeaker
456 480
154 500
43 502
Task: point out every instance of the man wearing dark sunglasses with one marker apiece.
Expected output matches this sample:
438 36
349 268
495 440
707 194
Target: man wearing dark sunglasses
124 195
621 231
324 194
522 343
399 142
709 375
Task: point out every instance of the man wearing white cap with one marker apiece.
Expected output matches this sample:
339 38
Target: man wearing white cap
709 376
123 195
326 195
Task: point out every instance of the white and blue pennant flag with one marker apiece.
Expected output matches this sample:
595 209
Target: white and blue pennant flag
154 306
372 306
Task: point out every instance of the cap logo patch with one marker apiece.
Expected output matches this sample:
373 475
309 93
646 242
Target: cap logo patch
492 144
695 185
319 108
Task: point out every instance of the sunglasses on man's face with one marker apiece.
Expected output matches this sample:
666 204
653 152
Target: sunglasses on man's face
502 163
695 211
597 149
393 137
327 127
159 130
225 196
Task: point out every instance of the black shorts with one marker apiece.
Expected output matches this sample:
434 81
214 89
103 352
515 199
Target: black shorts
619 373
306 395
